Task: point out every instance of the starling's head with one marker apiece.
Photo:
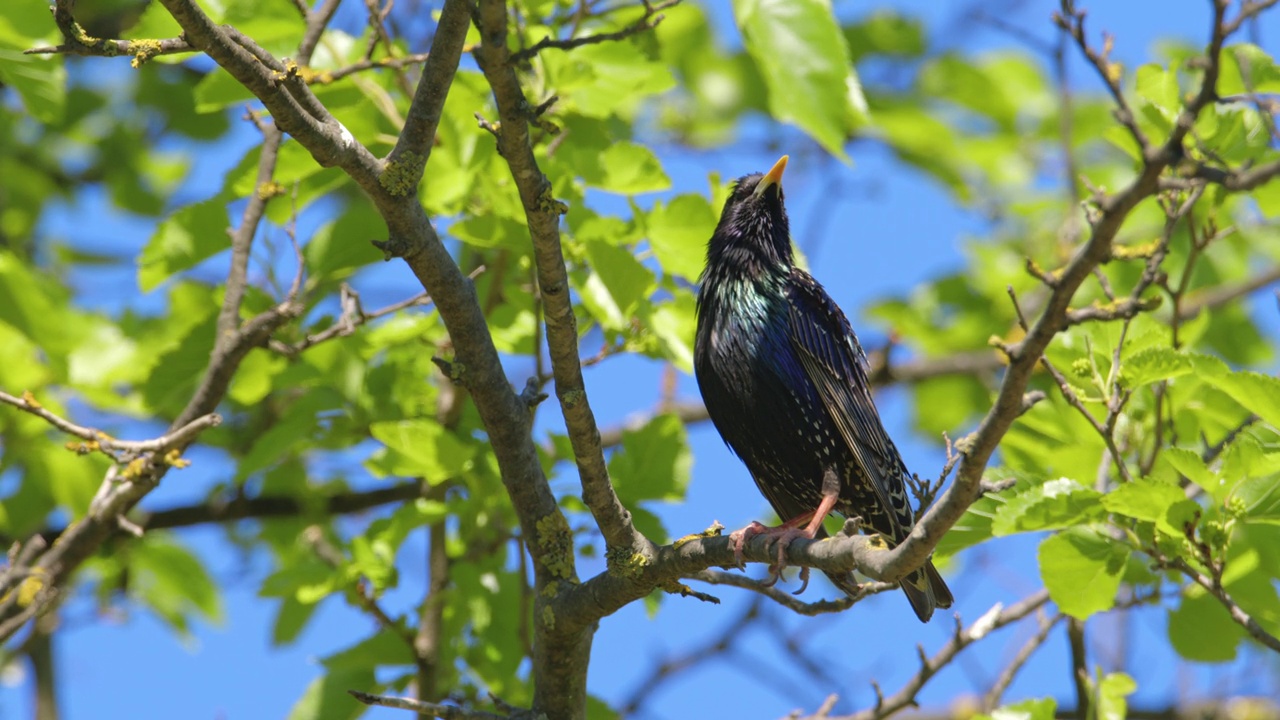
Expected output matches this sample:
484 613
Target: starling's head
754 222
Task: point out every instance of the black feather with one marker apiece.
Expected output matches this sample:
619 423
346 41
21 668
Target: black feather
785 381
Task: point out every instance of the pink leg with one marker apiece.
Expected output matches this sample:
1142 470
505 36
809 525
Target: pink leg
784 534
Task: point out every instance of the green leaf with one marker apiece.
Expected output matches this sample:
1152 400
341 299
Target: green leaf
947 402
41 82
291 617
1201 629
382 649
1143 499
1041 709
1159 87
192 234
28 306
608 79
799 50
674 323
339 246
1112 693
972 528
307 580
653 463
326 698
423 447
678 232
1247 69
1055 504
1081 569
1258 393
954 78
1190 464
616 285
173 582
177 371
299 424
1261 497
252 381
218 90
627 168
487 230
1155 364
885 32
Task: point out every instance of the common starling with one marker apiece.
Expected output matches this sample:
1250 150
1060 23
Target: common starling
785 382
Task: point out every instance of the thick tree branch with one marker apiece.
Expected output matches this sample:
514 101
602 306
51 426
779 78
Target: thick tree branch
420 123
317 21
542 213
561 649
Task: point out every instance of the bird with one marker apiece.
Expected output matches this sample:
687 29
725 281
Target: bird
785 383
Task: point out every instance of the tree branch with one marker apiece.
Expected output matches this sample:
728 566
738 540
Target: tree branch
786 599
1079 668
429 709
648 21
118 450
992 699
994 619
542 213
604 594
242 237
413 147
77 42
1214 585
1112 212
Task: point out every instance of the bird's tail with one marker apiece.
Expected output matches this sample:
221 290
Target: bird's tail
924 589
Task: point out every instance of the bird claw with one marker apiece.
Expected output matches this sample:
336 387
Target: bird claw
781 537
804 581
739 539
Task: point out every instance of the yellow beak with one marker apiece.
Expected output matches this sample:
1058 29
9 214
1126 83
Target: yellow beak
773 177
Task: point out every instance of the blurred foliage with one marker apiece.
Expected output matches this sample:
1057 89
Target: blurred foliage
1199 421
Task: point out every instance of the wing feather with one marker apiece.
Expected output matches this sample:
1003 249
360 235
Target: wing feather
833 360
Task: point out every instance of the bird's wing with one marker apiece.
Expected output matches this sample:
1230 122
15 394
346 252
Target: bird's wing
835 363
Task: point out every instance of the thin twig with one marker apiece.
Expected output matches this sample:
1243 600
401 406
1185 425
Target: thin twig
429 709
648 21
786 599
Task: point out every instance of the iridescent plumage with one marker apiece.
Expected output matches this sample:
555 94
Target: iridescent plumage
785 381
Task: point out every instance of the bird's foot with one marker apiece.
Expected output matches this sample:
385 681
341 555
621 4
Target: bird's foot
739 539
780 538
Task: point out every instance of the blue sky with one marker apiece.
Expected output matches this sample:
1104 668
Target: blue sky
134 667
